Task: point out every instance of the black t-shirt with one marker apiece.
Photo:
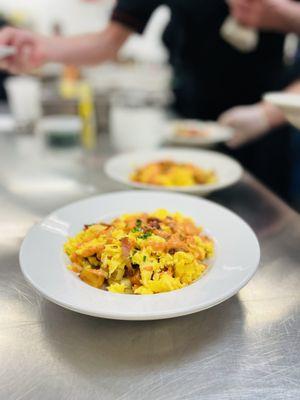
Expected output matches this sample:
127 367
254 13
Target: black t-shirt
210 75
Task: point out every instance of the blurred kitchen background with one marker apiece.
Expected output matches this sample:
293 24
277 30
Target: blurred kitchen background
141 66
71 107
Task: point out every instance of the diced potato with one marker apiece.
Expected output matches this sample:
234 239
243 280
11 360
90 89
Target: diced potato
92 277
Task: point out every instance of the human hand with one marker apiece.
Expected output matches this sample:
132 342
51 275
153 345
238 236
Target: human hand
249 123
30 50
262 14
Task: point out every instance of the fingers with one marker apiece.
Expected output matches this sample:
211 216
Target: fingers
6 36
238 118
22 61
25 44
230 117
238 140
240 6
248 122
245 12
239 137
225 119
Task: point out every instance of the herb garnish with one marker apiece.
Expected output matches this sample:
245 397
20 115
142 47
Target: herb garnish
146 235
138 226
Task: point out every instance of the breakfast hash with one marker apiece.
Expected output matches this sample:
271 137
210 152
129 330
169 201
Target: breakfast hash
142 253
170 173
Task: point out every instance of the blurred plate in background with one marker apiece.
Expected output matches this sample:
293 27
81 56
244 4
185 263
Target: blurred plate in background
195 132
228 171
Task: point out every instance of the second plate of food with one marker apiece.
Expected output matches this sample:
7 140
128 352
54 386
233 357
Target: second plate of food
182 170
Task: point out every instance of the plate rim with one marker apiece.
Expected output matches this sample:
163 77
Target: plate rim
283 100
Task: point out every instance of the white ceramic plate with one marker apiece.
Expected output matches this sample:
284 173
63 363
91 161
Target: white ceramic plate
228 170
289 103
44 264
211 133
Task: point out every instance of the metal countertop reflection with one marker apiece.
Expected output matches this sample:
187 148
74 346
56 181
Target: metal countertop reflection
244 349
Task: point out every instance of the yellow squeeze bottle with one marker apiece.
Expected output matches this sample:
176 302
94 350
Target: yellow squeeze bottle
87 114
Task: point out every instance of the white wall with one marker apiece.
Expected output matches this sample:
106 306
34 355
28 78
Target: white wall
76 16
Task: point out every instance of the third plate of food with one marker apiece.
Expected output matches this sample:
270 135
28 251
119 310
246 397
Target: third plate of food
196 132
182 170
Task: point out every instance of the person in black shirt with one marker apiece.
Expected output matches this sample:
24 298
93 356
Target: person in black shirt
210 76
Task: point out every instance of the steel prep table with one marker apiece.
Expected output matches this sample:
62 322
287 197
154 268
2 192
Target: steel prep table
246 348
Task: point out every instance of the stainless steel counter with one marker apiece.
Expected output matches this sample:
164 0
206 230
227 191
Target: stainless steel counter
244 349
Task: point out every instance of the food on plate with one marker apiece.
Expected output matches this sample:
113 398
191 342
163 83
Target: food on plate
170 173
143 253
190 130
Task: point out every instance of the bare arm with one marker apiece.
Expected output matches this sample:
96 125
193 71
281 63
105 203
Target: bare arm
89 49
35 50
276 15
291 18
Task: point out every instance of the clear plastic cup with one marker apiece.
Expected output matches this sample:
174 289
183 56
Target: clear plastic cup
24 98
137 121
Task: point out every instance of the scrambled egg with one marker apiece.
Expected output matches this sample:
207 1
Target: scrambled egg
140 253
169 173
